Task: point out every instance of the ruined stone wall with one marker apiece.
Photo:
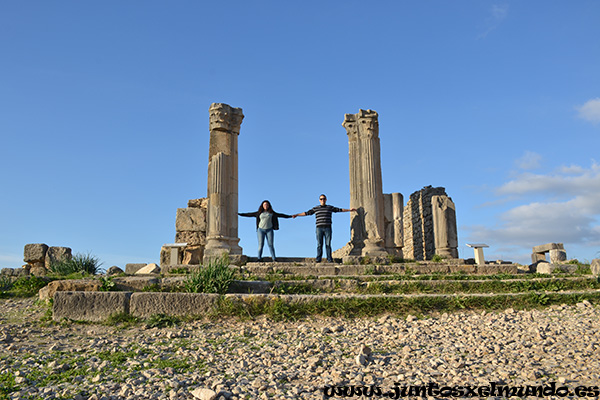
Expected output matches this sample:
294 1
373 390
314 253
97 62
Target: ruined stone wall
190 228
419 235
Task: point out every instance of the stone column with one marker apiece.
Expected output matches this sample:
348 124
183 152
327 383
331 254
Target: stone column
366 188
394 208
444 226
222 191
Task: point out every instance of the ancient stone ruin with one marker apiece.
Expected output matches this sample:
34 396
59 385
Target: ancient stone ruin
556 250
39 256
430 225
222 191
382 227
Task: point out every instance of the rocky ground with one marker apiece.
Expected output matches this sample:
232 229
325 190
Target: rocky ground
264 359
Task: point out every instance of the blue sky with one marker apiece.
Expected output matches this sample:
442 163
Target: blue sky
104 117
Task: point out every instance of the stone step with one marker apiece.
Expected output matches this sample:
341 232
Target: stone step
304 268
98 306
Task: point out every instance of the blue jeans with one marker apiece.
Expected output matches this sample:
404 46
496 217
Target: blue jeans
324 232
261 233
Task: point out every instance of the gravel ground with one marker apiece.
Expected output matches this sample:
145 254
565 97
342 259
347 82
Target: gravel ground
264 359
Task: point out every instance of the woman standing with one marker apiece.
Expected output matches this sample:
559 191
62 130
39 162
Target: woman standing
266 223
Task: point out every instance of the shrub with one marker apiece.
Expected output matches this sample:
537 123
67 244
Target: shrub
212 278
79 263
5 283
28 286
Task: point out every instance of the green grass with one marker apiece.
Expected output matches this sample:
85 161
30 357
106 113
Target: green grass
484 286
79 263
212 278
25 286
357 307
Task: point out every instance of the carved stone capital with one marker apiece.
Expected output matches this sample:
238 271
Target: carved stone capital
368 123
223 117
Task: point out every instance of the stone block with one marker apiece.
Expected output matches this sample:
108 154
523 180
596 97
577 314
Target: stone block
250 287
190 219
131 269
14 272
134 283
464 268
148 269
69 285
173 304
595 266
547 268
89 306
192 255
191 238
198 203
35 253
557 256
56 253
490 269
544 248
114 270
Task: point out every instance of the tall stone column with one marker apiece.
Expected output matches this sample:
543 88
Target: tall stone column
222 191
366 188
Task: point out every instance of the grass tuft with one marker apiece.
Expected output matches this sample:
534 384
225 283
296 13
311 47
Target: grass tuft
79 263
212 278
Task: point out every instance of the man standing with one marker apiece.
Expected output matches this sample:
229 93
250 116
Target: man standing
323 218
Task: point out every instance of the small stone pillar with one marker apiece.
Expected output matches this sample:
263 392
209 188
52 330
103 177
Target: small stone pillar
222 192
394 208
367 226
478 249
444 226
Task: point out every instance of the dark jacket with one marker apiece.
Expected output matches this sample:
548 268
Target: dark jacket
275 220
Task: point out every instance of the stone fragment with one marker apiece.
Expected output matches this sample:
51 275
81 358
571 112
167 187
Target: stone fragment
204 394
198 203
364 353
34 254
131 269
595 266
69 285
57 254
151 268
114 270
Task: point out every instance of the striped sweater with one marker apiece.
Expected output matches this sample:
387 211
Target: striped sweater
323 214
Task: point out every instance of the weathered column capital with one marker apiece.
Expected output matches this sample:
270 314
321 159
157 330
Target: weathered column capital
223 117
368 124
350 125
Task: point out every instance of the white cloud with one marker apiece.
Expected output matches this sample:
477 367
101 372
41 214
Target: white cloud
529 160
574 219
590 111
571 180
498 13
